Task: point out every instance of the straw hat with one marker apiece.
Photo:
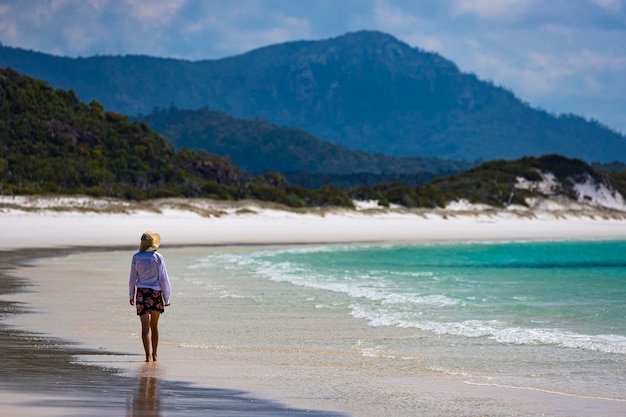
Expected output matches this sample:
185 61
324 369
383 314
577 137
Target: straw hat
150 241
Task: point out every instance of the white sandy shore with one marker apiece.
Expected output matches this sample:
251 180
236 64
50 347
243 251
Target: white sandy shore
63 222
29 223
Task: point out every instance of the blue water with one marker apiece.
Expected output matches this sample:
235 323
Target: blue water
545 316
566 294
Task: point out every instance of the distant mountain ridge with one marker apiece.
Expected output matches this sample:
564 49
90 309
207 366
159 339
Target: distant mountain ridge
53 144
259 147
365 90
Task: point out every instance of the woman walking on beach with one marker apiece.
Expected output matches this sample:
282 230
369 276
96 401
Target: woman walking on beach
149 290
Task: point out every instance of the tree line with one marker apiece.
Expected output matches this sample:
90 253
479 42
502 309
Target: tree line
52 143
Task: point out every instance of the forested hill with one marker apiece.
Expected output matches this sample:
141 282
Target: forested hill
364 90
52 143
259 147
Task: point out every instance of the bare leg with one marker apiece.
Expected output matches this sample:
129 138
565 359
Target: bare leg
145 334
154 330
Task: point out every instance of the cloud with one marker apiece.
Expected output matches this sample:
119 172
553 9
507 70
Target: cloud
612 6
386 14
73 28
154 13
491 10
218 29
246 41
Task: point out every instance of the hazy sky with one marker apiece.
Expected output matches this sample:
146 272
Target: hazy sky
565 56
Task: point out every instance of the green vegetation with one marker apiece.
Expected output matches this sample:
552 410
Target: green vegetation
613 174
51 143
493 183
259 147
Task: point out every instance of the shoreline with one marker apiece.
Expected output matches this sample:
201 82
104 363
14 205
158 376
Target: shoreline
33 236
83 379
47 380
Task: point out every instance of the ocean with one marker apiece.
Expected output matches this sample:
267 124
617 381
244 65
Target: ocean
435 329
548 316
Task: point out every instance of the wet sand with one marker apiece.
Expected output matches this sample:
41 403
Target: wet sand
51 377
42 378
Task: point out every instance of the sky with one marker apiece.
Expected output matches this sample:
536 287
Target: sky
563 56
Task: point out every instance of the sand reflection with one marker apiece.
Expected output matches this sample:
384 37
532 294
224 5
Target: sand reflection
146 401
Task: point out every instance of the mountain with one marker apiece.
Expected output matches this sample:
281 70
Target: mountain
364 90
259 147
52 143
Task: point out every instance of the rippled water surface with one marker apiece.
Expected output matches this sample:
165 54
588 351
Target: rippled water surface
542 315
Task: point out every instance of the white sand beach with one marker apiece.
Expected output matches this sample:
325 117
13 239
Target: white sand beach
304 378
72 221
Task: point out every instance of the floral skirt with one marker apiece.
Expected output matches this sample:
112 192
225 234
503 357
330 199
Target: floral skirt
148 299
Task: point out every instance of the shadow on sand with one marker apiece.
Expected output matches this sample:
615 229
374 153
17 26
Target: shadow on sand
45 369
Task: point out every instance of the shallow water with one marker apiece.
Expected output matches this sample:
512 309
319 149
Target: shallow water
359 327
540 315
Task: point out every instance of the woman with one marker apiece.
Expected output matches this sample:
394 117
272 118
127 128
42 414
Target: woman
149 289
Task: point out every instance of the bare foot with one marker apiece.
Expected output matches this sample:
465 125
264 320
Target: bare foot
148 359
154 357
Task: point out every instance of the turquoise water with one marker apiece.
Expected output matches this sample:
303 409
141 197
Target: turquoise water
545 316
568 294
361 324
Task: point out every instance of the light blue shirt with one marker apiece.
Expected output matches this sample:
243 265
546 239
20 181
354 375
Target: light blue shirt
147 270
